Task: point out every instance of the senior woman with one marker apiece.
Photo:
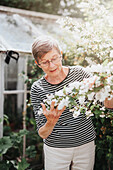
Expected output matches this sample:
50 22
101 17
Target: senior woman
67 140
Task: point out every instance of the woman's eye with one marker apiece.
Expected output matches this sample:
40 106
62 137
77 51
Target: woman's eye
44 62
54 59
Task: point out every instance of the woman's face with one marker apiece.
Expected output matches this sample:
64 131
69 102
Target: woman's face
51 63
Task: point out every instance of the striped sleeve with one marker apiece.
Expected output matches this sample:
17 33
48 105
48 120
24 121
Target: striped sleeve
36 100
83 73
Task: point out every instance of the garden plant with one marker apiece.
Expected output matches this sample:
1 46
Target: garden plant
89 43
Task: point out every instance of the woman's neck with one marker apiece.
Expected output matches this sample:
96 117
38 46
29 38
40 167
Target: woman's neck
59 78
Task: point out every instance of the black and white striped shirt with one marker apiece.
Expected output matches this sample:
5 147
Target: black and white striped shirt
68 131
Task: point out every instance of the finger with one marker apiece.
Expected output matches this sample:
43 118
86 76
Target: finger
45 112
63 108
43 106
52 105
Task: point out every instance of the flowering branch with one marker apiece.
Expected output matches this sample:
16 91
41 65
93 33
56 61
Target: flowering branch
85 96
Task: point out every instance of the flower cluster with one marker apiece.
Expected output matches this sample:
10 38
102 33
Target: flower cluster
81 96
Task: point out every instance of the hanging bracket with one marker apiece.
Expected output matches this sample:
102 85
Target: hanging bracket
11 54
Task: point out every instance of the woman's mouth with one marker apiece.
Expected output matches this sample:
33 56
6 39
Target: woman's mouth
53 70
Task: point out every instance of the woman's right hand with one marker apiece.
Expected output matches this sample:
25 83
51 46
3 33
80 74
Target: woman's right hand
52 117
53 114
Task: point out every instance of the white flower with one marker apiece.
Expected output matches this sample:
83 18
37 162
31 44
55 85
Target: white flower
50 96
96 68
59 93
90 96
62 3
103 108
81 99
76 114
40 111
71 110
98 96
102 116
83 91
63 102
61 105
68 90
88 114
97 82
107 88
111 54
110 80
84 88
48 102
75 85
102 94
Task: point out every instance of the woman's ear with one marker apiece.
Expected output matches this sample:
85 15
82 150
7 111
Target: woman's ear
37 64
61 52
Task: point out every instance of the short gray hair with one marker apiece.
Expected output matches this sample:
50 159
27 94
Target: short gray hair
43 45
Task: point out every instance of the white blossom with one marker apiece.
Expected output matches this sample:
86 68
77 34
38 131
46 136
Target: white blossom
49 96
110 80
40 111
91 96
59 93
102 116
111 54
81 99
89 113
76 113
75 84
103 108
63 102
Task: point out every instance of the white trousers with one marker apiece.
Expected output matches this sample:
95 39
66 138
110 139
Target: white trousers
80 158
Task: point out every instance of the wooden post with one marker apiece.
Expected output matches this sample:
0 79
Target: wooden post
20 81
1 92
24 109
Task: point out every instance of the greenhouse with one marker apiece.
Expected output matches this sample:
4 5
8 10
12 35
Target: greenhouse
18 30
26 27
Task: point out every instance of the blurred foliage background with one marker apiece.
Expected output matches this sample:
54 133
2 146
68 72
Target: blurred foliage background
57 7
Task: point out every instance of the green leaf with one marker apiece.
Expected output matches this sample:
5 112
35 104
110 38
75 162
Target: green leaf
32 121
64 89
6 119
7 165
96 89
23 164
31 151
23 132
92 107
102 120
5 144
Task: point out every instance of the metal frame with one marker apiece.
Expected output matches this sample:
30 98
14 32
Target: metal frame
3 91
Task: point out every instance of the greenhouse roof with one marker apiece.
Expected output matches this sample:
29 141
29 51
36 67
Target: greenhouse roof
19 28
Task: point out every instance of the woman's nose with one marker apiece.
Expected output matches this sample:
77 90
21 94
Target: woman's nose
51 64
